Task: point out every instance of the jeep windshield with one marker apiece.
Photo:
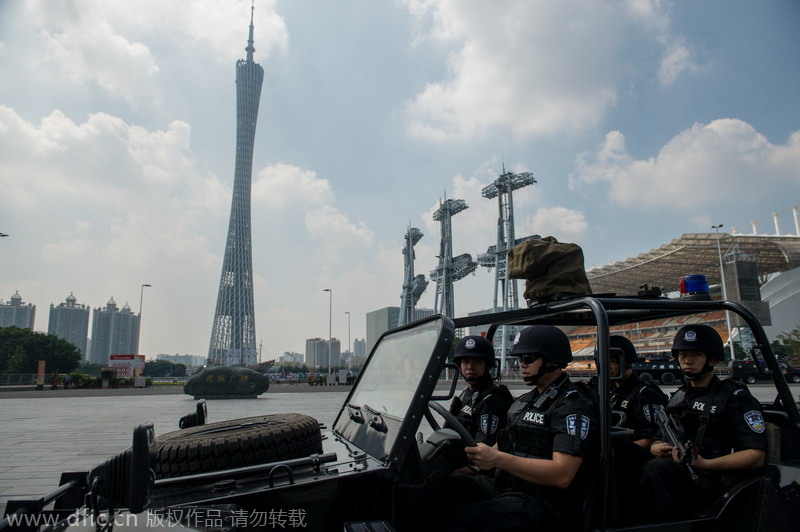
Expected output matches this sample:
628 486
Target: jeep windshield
394 386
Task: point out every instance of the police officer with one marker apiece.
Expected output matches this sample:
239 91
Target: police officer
634 405
541 456
722 420
483 405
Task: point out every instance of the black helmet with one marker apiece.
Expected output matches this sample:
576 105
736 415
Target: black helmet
698 338
475 347
621 343
544 340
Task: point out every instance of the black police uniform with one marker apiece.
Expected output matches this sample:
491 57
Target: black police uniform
483 410
721 419
634 405
560 419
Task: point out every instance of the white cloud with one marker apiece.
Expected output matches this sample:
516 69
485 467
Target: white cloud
532 67
329 226
677 60
726 160
110 43
567 225
104 204
99 55
280 185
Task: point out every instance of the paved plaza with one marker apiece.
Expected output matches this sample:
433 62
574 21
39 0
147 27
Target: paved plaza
61 430
45 433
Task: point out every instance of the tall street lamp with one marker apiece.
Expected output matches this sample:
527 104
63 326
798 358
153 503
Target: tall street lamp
348 333
141 296
716 228
330 322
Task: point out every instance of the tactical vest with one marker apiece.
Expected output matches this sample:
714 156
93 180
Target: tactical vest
701 416
621 405
468 410
529 418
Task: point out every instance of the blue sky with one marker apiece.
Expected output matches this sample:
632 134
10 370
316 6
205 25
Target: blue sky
641 120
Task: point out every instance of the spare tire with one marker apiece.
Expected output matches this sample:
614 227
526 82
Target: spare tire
235 443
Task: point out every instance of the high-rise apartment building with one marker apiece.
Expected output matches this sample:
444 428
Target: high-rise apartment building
289 357
114 332
15 313
317 353
70 321
360 348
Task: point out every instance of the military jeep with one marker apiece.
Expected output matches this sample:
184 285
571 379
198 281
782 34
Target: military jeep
386 454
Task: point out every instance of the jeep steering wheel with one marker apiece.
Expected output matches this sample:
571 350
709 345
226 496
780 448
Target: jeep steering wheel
454 424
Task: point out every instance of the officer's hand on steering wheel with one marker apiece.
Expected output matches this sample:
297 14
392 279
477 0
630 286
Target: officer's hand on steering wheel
482 456
456 425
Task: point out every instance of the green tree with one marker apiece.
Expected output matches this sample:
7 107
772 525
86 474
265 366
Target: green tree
18 361
90 368
21 350
291 367
791 343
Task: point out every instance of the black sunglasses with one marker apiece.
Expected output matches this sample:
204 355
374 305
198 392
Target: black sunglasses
529 358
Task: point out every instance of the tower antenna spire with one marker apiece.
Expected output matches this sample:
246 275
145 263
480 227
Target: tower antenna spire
250 48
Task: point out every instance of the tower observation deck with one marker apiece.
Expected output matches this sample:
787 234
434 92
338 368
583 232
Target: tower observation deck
233 337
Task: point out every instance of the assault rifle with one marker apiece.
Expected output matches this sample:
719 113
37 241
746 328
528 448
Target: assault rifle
670 431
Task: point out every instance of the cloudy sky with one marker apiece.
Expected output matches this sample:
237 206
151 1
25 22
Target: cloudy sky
641 120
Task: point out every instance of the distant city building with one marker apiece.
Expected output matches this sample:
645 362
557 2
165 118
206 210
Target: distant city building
317 353
70 321
360 348
291 358
15 313
384 319
114 332
190 361
350 359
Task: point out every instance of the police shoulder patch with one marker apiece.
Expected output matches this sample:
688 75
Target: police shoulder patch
489 423
755 421
577 425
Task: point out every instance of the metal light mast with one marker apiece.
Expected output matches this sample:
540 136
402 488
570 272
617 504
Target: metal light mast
413 286
449 269
497 256
233 337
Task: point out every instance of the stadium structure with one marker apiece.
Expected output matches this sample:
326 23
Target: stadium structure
745 261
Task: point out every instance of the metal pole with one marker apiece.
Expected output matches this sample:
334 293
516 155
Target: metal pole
141 297
348 333
330 322
724 292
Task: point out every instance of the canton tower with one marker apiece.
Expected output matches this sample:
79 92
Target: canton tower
233 337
